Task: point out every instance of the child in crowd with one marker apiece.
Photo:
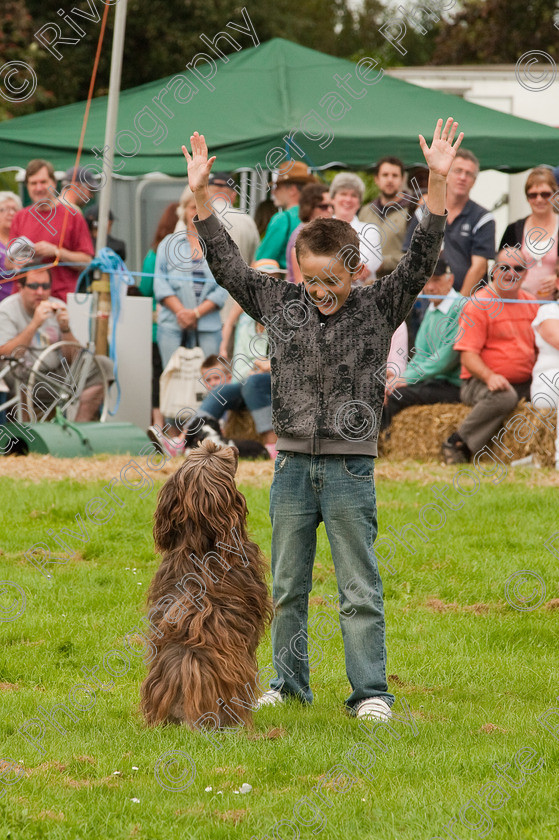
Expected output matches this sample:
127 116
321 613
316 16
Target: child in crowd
327 360
250 391
214 373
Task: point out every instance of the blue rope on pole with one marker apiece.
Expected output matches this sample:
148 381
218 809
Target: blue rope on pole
108 262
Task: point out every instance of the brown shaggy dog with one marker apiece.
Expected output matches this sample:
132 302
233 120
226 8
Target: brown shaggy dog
209 602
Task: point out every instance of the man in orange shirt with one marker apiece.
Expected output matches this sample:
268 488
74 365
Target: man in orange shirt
497 352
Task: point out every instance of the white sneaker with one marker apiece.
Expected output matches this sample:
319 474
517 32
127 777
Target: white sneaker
272 697
373 708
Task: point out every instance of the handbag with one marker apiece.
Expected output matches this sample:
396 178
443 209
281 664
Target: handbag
179 385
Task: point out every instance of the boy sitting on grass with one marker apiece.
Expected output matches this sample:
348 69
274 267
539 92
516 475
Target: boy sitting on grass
327 366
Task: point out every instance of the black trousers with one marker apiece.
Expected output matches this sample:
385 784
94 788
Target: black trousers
428 392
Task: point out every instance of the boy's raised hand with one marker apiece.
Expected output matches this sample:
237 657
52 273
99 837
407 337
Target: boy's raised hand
198 165
440 155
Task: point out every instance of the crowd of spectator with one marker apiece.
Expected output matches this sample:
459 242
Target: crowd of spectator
484 335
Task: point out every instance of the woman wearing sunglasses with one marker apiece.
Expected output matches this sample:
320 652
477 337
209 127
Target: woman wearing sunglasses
537 235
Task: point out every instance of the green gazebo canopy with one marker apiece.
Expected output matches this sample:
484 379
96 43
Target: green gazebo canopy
335 111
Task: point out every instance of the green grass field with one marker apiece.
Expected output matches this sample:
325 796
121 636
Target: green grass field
471 676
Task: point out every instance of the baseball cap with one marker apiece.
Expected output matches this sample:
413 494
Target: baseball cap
91 214
220 179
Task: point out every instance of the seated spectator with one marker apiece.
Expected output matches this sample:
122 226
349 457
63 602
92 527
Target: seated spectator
57 230
291 178
91 215
347 191
253 393
31 320
544 393
498 352
538 251
9 206
315 203
388 212
166 226
433 374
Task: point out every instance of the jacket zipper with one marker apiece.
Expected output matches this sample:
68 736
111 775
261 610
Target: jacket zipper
320 356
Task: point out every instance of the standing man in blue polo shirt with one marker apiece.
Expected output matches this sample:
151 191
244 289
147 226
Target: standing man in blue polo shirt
469 238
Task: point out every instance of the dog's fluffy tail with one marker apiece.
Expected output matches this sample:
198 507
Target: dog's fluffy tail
182 685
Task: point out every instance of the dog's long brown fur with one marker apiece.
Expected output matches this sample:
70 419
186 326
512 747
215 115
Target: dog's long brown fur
204 655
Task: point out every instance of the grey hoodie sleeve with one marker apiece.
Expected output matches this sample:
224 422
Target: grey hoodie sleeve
257 293
396 293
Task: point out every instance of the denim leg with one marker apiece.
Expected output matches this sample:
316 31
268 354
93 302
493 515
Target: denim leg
257 394
295 516
168 340
208 342
348 507
213 406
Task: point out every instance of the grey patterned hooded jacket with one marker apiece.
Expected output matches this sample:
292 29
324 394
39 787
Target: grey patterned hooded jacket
328 374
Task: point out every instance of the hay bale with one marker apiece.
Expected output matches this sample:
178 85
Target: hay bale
240 425
419 431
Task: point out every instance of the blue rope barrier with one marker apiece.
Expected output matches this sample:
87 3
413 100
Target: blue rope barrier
504 300
108 262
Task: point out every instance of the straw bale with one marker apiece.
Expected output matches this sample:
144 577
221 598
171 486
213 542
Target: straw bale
418 432
34 468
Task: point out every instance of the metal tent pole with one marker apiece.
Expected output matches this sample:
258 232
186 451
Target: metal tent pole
101 287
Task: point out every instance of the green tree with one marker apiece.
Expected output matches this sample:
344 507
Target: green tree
378 29
497 32
16 51
162 37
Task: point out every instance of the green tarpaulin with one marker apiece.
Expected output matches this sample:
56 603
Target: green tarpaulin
340 113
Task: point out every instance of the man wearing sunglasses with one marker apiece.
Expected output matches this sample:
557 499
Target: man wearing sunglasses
497 353
31 320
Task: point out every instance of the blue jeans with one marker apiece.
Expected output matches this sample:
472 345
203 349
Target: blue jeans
254 394
169 340
339 490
